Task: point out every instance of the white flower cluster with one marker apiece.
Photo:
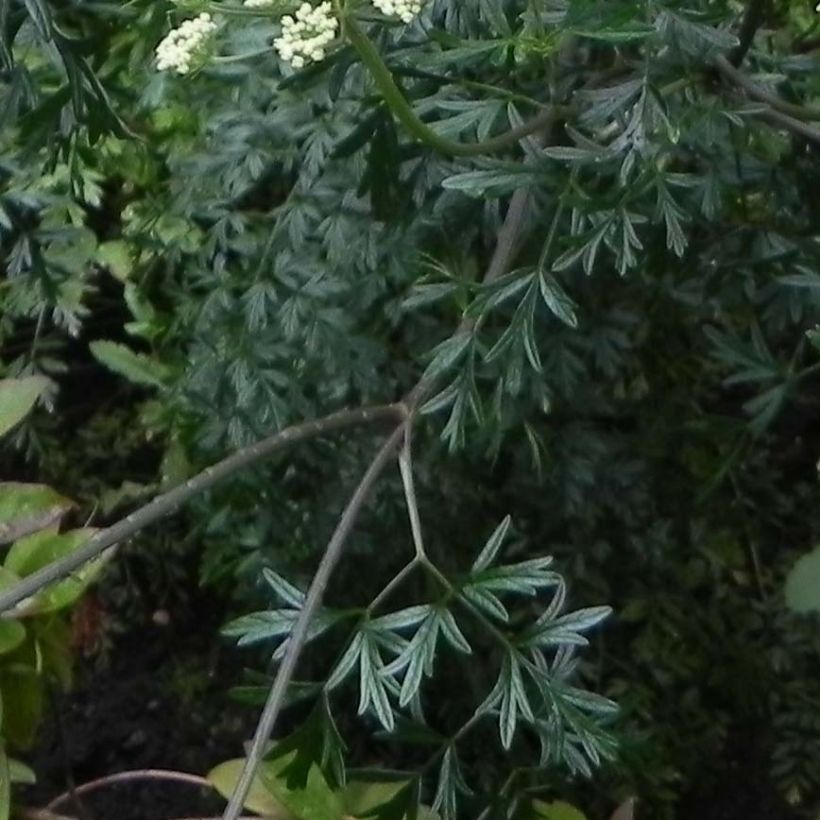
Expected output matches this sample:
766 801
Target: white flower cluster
306 35
180 48
405 10
259 4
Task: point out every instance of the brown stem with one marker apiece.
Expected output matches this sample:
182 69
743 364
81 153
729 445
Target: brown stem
298 637
802 129
165 504
740 79
128 777
752 21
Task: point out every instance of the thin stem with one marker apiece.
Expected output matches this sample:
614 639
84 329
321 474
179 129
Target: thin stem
506 785
556 218
392 585
129 777
238 58
497 91
465 727
404 113
298 637
439 576
798 127
752 20
740 79
406 470
165 504
506 247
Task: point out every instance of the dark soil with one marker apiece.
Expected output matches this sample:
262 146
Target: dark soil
160 701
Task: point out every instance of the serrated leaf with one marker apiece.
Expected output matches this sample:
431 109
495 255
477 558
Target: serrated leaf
372 684
288 593
557 300
582 619
508 712
450 784
136 367
494 542
589 702
402 619
116 256
346 663
452 633
447 354
416 656
497 182
428 294
488 603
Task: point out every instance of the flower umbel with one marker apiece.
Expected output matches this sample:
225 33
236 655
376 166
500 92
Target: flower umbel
184 44
259 4
405 10
306 35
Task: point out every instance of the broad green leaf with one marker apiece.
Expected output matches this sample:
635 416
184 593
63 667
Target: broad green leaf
360 797
803 584
26 508
557 810
12 634
224 778
20 773
313 800
36 551
17 398
136 367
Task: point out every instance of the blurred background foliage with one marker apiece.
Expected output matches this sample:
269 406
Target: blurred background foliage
196 262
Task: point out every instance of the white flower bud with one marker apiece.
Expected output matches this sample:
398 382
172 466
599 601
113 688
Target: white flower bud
184 45
306 35
405 10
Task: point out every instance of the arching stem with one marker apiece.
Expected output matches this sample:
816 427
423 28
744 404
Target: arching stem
403 111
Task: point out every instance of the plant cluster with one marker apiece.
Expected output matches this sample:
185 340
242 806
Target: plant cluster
587 228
